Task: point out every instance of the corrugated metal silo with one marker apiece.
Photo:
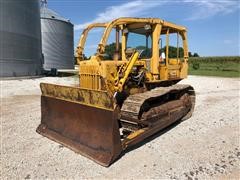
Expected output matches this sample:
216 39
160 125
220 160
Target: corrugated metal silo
20 38
57 40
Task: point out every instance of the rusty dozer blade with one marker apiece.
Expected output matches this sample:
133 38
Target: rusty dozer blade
83 120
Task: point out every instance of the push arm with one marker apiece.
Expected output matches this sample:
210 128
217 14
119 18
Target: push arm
127 70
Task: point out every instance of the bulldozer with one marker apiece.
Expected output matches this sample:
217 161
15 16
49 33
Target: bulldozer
123 98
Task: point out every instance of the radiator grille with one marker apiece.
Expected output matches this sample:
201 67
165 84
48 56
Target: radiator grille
90 77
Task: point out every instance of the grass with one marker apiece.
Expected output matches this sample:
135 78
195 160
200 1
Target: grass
228 66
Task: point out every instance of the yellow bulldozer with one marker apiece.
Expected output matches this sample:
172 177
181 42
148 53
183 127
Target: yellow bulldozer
122 98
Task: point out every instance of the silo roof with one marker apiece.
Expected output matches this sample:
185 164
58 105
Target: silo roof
50 14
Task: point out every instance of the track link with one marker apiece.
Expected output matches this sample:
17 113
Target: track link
135 105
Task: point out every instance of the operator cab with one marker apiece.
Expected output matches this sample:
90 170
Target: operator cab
162 46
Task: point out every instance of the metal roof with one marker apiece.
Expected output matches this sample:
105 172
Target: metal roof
50 14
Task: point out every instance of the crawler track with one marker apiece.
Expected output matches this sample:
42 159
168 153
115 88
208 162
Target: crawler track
158 102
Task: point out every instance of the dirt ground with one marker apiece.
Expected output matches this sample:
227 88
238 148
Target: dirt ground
205 146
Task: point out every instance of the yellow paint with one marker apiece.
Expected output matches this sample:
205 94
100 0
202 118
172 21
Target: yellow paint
127 71
94 98
111 76
100 79
155 55
135 134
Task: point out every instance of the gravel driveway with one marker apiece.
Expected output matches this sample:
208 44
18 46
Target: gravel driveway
205 146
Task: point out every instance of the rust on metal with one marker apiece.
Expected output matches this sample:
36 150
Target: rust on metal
122 100
159 115
95 98
86 122
131 108
92 132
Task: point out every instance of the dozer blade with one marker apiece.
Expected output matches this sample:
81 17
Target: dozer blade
82 120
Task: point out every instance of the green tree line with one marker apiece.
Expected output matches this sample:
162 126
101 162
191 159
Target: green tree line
110 49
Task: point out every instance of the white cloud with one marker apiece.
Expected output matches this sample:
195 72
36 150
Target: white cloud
133 8
203 9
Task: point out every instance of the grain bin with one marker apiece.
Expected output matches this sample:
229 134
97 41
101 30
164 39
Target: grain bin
20 38
57 40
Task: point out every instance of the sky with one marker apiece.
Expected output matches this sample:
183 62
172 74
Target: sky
213 25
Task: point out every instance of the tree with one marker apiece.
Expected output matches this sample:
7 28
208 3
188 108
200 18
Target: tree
141 47
172 51
195 55
110 50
